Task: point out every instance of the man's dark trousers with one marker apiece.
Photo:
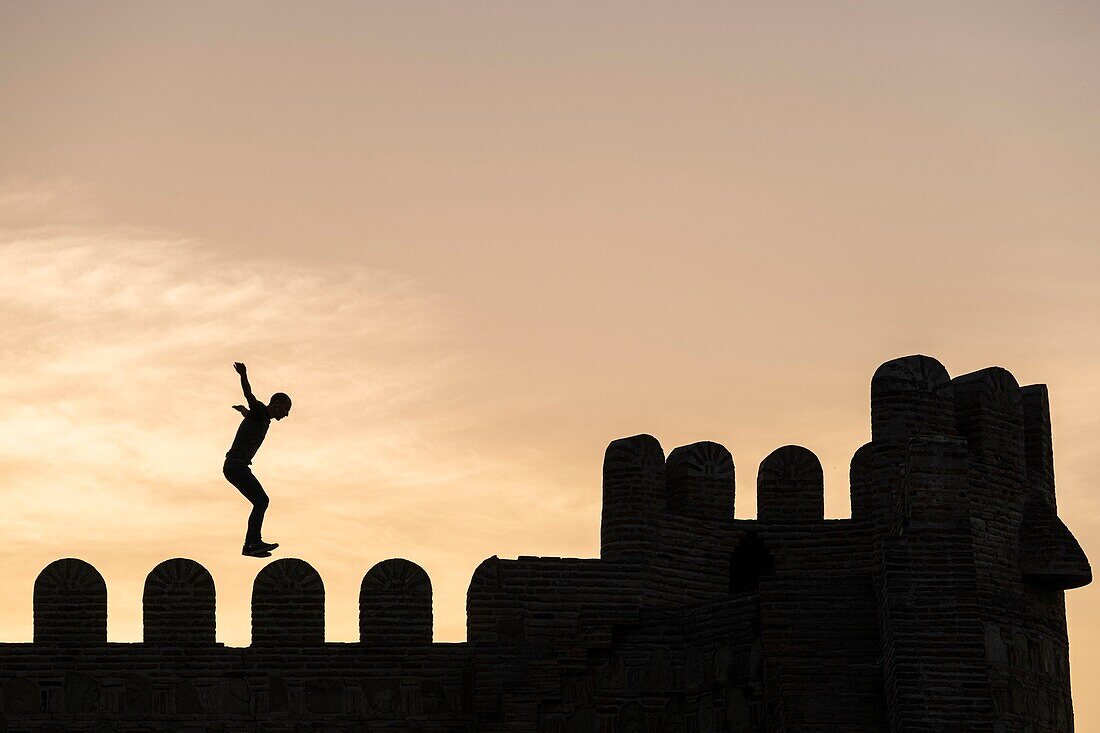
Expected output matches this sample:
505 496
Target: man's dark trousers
240 475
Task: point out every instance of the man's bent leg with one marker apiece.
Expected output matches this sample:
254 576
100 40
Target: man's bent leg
256 517
240 475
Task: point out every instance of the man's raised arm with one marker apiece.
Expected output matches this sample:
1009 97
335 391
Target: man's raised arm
245 387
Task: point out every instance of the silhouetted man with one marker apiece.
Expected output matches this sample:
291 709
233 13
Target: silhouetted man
250 434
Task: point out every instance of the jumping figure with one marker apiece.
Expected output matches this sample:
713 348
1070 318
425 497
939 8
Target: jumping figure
250 434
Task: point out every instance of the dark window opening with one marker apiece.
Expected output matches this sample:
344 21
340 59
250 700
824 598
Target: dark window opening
748 563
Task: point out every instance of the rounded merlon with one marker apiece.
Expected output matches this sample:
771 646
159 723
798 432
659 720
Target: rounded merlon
288 604
70 604
634 494
395 604
178 604
701 481
790 486
910 396
860 479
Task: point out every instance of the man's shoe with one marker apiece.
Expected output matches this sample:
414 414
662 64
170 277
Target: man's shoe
261 546
254 549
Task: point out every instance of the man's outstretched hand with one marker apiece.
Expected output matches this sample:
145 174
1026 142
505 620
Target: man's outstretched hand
241 409
245 387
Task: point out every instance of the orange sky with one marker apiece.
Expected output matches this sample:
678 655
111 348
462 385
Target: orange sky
477 241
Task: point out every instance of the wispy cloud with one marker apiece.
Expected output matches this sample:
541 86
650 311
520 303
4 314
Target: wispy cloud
25 202
116 381
121 347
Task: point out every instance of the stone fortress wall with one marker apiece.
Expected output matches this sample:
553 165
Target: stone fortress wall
938 606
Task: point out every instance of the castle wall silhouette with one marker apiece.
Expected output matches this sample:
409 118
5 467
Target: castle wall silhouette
939 606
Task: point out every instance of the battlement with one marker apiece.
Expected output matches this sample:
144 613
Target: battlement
999 424
178 604
948 577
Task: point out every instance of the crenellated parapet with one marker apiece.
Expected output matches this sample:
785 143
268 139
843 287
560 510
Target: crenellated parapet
179 604
1004 430
938 605
179 676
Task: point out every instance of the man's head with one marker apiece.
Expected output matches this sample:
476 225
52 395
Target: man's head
279 406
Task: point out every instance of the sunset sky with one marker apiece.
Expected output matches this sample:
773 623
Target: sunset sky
477 241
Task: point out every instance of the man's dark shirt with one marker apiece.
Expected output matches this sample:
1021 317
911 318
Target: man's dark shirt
250 434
